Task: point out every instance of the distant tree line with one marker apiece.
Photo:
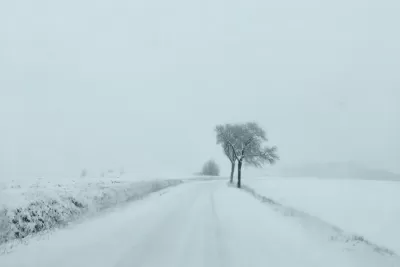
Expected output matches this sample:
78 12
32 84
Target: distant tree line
210 168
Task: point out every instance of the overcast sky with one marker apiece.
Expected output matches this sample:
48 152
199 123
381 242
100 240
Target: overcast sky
101 84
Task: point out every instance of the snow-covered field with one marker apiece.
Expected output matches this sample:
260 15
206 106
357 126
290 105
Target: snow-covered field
28 207
203 222
200 223
367 208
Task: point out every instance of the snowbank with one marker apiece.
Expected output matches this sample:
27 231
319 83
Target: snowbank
30 209
366 208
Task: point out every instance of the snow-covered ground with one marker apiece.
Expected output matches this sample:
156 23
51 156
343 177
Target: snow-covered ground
201 223
367 208
28 208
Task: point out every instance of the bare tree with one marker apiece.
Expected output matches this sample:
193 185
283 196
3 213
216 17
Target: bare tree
222 138
121 171
246 144
84 173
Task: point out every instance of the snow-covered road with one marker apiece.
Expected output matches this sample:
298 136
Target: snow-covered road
195 224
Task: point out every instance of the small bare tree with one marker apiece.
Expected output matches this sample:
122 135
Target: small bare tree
210 168
121 171
84 173
246 144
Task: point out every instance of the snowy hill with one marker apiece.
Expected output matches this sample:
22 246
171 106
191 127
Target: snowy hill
340 170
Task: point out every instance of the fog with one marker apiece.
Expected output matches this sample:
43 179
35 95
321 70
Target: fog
141 84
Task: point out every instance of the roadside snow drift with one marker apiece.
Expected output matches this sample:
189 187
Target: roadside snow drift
30 209
366 208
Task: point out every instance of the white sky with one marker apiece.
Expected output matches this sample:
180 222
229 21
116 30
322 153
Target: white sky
141 84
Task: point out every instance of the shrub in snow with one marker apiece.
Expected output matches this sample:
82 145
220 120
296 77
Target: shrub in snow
40 215
45 209
210 168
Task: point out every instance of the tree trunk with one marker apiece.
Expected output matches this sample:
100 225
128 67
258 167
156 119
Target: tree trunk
232 171
239 182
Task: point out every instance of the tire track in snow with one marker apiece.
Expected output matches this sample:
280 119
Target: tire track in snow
151 247
218 232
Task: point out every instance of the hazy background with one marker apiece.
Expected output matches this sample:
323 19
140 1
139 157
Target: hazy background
101 84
